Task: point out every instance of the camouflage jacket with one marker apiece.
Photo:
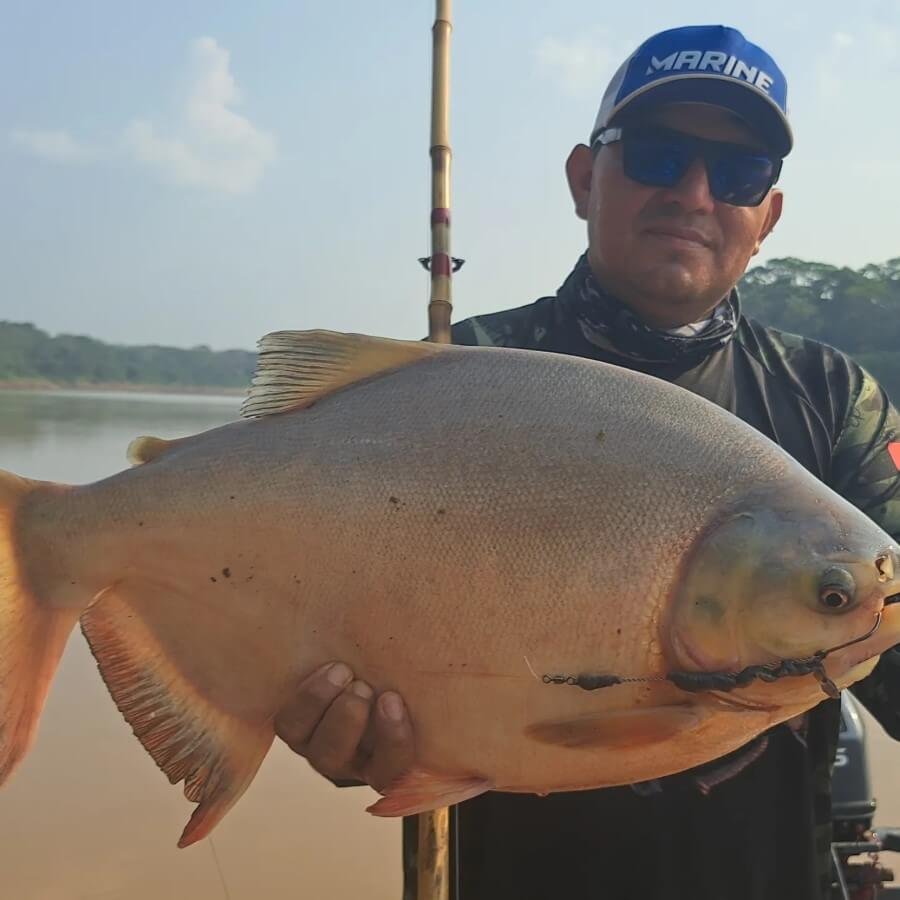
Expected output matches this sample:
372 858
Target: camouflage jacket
765 832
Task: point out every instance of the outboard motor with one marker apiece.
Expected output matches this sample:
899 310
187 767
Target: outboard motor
852 805
853 810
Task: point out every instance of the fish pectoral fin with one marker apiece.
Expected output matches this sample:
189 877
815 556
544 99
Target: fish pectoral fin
296 368
620 727
215 753
420 790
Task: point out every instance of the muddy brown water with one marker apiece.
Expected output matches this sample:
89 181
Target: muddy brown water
89 817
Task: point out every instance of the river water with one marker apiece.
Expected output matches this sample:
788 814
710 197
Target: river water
88 816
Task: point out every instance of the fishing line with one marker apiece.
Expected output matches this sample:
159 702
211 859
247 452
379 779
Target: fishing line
696 682
225 890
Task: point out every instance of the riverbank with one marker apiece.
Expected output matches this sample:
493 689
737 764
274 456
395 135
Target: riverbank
39 384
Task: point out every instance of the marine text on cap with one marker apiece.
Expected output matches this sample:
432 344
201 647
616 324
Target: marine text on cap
712 61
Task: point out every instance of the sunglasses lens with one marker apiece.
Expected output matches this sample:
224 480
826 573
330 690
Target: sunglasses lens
735 176
655 162
741 179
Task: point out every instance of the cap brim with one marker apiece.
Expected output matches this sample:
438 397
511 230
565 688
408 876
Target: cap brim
758 110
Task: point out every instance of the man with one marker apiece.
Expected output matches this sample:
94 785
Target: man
677 190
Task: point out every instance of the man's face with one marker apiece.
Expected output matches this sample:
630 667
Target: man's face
671 253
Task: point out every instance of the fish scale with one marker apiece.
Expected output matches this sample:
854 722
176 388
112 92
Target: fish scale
453 523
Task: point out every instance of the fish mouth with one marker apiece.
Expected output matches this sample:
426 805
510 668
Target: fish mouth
836 667
883 638
884 563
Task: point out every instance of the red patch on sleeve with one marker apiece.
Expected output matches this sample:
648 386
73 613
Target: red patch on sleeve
894 450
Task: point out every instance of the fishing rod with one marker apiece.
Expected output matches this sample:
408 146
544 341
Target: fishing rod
435 838
440 264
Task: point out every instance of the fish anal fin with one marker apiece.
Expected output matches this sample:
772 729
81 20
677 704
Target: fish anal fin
297 368
214 753
33 634
622 728
145 449
420 790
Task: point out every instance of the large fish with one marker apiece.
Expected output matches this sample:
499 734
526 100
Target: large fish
487 531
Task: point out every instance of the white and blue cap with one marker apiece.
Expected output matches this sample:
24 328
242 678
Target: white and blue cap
703 64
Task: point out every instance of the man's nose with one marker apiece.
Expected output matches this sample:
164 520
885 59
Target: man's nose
693 192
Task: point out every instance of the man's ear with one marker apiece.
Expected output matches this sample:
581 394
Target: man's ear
579 169
773 214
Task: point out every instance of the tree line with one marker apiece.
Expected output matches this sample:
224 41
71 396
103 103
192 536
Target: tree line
28 354
855 310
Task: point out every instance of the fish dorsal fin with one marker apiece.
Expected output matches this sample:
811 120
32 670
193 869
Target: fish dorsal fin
145 449
296 368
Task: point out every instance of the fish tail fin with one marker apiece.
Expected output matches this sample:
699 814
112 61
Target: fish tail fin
216 752
33 633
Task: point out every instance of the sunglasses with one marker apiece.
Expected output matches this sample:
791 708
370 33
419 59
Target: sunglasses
659 157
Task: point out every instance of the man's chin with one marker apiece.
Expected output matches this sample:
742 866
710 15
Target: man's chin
673 293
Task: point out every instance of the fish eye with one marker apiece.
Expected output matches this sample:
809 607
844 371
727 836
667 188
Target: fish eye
837 590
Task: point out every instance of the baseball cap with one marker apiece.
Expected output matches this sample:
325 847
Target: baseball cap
703 64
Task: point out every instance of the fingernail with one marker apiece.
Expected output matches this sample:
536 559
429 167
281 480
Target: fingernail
361 689
392 706
339 675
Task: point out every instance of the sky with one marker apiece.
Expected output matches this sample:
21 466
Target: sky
203 173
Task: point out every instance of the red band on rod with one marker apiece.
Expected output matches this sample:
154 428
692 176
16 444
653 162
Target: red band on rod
440 215
440 264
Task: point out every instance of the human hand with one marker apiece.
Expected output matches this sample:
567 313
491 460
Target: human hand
345 732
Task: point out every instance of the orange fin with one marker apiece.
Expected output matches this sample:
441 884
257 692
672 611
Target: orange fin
145 449
296 368
215 753
419 791
33 635
620 728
